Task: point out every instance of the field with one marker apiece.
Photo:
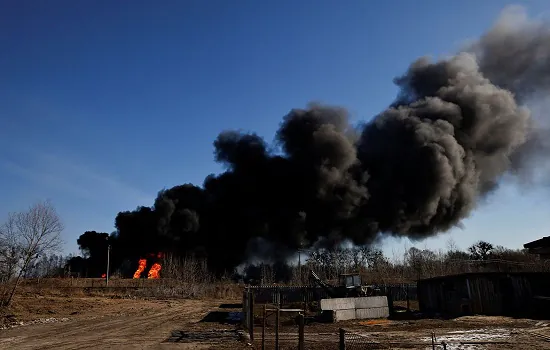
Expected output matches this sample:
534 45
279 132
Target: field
48 320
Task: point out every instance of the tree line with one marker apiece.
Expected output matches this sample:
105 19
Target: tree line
30 242
406 267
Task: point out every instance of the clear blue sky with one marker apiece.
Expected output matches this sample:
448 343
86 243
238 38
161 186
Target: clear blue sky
103 103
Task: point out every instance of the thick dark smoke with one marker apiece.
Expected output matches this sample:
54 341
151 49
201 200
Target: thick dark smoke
456 128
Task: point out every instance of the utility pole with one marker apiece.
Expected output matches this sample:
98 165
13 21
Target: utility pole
108 258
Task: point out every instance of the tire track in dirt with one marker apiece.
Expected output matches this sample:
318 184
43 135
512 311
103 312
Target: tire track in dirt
141 329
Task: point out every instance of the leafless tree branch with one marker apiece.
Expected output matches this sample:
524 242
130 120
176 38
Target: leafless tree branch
28 234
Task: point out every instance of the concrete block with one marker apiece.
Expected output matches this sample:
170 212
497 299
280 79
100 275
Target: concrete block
343 315
372 313
338 304
368 302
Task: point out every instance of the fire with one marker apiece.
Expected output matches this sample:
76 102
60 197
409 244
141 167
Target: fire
154 271
141 268
104 275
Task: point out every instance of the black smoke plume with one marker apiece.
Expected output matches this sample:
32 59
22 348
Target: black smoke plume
418 168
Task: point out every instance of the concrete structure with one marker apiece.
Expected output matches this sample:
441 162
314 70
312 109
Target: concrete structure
541 247
524 294
341 309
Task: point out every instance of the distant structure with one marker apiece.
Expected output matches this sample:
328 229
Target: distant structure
541 247
518 294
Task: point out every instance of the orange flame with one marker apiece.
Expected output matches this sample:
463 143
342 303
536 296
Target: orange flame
141 268
154 271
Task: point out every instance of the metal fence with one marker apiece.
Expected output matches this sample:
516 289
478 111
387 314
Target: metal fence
277 296
399 292
284 295
357 341
350 340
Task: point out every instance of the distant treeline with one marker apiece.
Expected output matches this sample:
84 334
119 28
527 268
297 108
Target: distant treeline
375 267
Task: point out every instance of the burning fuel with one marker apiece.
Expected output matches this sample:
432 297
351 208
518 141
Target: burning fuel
141 268
154 272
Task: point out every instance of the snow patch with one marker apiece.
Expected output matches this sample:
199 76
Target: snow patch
37 321
455 339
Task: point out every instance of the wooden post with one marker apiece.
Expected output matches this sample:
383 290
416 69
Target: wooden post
263 327
251 311
389 295
342 339
408 300
301 331
277 318
245 308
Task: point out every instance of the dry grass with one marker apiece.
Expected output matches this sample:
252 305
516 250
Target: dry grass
186 278
161 288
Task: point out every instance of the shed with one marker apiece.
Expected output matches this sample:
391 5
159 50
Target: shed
525 294
541 247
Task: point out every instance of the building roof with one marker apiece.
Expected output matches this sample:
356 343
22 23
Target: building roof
539 243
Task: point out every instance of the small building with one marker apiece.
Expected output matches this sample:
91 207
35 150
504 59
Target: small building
541 247
523 294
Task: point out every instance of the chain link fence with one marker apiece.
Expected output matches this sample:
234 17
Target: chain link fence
355 341
350 340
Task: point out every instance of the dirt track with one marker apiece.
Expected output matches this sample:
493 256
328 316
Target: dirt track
106 323
120 324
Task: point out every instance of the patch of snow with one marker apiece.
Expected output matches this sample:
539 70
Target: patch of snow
37 321
454 338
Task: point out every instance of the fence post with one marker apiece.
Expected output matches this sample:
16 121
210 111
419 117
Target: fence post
300 331
408 300
263 327
389 296
251 311
342 339
277 318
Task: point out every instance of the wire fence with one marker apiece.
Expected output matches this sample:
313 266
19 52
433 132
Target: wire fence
350 340
356 341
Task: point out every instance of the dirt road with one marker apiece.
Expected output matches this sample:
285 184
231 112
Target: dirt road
123 324
107 323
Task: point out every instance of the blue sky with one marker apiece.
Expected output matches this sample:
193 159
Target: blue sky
104 103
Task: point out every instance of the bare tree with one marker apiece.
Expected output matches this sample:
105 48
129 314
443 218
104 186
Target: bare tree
33 232
10 254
